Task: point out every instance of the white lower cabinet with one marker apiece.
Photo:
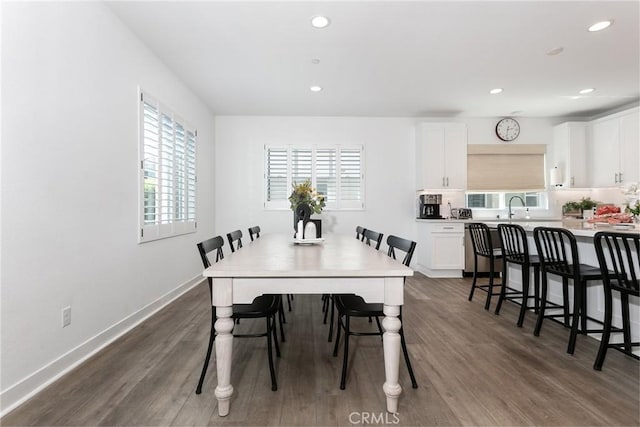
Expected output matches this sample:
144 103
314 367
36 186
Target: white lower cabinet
440 248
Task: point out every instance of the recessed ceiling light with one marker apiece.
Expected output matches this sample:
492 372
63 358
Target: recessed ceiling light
555 51
576 97
315 88
320 21
599 26
495 91
585 91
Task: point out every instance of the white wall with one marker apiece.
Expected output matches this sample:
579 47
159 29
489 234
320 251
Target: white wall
389 171
390 166
70 73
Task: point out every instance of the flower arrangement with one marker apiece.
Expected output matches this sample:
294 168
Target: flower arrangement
635 211
305 193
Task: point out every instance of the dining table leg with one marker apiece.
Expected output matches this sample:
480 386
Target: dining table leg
391 344
222 299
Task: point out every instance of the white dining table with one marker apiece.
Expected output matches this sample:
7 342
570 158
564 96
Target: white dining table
273 264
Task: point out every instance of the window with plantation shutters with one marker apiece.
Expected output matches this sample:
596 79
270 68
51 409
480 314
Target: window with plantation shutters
167 172
336 171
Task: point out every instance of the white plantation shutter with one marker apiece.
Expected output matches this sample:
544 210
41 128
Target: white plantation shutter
301 165
168 172
351 178
326 175
276 174
336 172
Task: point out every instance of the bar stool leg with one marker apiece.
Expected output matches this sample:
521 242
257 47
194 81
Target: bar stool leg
525 294
577 309
583 307
536 290
626 327
490 289
606 333
503 288
475 276
543 304
565 300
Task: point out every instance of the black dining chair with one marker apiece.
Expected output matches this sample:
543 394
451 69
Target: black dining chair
374 237
515 250
327 299
236 237
483 247
349 305
620 268
264 306
254 233
558 252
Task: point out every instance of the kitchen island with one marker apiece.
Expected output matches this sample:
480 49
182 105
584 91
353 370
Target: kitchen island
584 233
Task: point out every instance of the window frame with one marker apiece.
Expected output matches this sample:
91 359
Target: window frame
542 196
338 204
182 216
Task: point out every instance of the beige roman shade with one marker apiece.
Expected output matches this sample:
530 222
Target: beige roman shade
505 167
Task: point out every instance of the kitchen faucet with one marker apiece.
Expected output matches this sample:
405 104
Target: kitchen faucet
510 200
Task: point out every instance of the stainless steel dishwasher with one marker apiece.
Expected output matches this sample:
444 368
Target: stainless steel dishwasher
483 263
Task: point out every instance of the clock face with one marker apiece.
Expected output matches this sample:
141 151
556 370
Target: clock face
507 129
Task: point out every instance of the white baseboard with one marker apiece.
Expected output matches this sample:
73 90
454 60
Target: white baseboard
23 390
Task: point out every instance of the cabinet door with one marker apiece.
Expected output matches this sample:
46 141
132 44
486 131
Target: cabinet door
578 173
605 165
570 153
455 156
630 148
430 156
447 251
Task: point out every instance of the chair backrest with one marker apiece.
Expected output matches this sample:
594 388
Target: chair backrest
481 239
513 239
254 231
235 236
398 243
370 235
557 249
360 233
208 246
618 258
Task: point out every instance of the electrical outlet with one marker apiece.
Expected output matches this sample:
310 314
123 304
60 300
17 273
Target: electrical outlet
66 316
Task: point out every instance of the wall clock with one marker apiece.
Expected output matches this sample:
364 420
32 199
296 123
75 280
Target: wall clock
508 129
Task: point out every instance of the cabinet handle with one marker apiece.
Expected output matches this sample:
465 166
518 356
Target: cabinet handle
447 181
443 181
573 180
620 178
448 228
615 180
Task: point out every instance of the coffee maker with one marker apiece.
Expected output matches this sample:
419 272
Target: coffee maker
429 206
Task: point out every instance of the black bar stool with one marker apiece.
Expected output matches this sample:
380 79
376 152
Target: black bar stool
558 253
618 258
515 250
483 247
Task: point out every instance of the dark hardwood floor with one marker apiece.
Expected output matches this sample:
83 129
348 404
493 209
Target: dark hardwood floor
473 368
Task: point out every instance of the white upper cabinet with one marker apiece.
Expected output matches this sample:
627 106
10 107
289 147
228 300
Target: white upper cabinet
630 147
570 153
441 156
615 158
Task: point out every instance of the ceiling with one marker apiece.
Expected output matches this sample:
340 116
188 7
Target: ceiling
394 58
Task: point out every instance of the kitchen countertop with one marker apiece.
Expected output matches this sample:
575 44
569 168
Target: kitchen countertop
577 227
